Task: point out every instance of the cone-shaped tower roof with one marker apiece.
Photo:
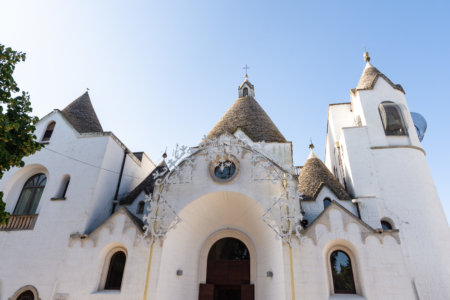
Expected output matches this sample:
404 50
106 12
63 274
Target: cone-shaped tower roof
370 76
81 114
250 117
314 175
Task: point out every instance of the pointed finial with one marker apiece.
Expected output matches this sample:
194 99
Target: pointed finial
246 68
311 145
366 56
87 89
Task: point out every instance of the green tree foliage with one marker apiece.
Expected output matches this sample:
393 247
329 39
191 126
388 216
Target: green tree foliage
16 125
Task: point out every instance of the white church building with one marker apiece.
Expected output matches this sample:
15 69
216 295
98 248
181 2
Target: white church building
231 217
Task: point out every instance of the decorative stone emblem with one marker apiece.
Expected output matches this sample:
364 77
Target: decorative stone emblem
224 169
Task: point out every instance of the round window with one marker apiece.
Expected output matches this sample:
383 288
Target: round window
224 169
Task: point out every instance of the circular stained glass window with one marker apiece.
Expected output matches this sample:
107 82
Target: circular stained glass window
225 170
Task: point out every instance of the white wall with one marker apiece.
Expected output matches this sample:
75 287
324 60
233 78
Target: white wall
89 261
377 260
41 251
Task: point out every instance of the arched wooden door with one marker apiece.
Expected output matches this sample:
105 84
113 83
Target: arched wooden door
228 272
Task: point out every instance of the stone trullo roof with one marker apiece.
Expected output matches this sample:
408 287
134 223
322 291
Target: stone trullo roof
314 176
250 117
370 76
81 114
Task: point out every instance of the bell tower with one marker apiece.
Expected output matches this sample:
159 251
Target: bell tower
246 89
373 148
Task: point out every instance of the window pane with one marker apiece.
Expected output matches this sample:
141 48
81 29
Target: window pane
49 131
35 201
225 170
42 180
38 180
22 204
115 272
141 206
386 225
341 269
30 195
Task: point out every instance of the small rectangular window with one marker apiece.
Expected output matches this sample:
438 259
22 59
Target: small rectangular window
140 208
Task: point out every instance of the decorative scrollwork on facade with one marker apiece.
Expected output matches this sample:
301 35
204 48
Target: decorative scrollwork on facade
283 214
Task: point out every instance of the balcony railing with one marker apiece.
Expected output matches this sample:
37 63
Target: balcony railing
19 222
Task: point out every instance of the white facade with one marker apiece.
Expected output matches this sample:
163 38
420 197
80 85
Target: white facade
378 177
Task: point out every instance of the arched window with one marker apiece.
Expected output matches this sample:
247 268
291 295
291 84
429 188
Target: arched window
140 208
30 195
49 131
341 270
27 292
115 271
386 225
27 295
391 116
326 203
245 92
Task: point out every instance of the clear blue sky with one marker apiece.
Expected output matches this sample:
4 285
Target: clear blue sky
164 72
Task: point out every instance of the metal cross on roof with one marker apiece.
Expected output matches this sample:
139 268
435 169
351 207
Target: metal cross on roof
246 68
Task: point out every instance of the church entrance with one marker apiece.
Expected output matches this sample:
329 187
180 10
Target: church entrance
228 272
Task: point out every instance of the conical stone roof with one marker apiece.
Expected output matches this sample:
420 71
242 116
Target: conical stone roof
370 76
314 176
250 117
81 114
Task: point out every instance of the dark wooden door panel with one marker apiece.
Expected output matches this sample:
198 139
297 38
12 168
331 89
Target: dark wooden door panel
247 292
228 272
206 292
